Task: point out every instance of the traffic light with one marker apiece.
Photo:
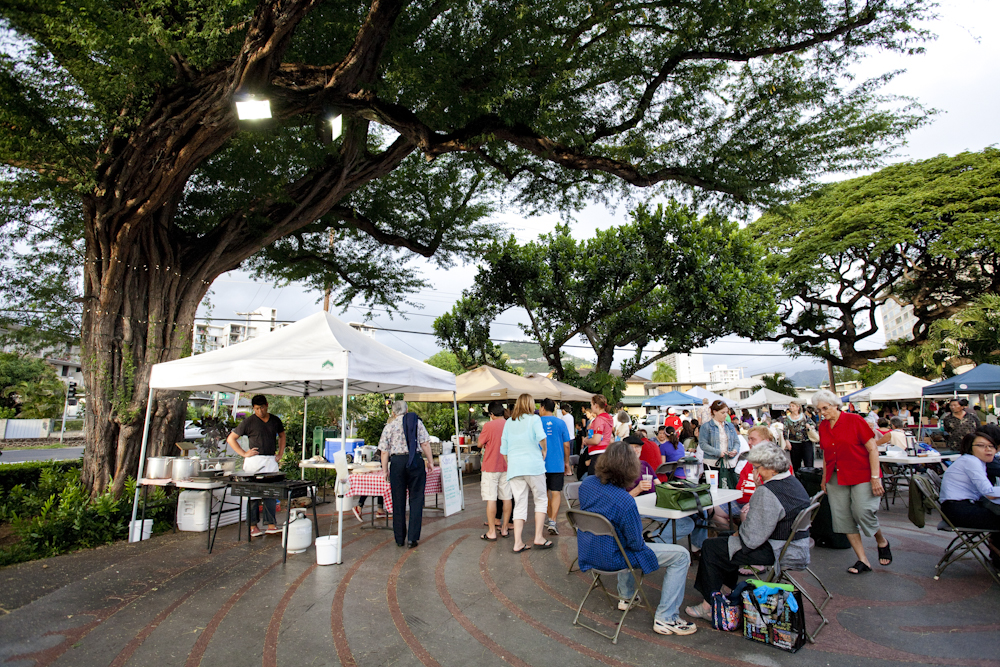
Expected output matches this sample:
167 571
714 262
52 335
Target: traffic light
71 390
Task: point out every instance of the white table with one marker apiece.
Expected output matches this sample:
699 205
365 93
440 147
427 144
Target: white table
206 484
647 506
892 477
916 460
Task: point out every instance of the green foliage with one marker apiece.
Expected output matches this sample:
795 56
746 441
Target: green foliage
776 382
664 373
972 334
54 513
925 361
43 398
446 361
7 413
465 331
922 231
28 473
372 418
439 418
16 369
596 382
668 276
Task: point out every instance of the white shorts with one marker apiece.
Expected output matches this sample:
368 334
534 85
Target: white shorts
519 489
494 486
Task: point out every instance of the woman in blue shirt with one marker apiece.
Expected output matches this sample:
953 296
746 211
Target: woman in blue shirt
965 488
604 493
523 447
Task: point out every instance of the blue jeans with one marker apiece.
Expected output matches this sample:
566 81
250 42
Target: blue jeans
685 527
676 560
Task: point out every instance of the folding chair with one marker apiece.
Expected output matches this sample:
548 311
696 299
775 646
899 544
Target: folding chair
973 541
598 525
571 493
781 574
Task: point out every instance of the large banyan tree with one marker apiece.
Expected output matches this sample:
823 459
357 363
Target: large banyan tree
130 184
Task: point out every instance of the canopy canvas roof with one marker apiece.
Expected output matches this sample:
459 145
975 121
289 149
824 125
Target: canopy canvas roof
701 392
671 398
566 392
319 350
897 387
765 396
485 384
983 379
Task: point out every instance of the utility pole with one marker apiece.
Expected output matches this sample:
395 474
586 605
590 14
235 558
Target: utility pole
243 337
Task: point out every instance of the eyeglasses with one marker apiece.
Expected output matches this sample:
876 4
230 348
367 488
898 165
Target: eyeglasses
985 445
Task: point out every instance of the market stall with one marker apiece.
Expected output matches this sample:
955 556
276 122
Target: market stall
318 355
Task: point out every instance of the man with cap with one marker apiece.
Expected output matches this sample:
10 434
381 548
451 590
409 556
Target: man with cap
672 420
266 436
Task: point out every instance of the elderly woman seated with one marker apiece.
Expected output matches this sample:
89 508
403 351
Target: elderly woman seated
774 505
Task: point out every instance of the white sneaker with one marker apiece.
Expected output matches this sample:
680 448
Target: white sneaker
678 627
356 511
622 605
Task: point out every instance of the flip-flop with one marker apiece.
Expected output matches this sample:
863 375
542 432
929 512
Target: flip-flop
485 536
505 535
859 567
548 545
524 548
884 553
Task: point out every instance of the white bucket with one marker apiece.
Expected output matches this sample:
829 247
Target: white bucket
147 530
326 549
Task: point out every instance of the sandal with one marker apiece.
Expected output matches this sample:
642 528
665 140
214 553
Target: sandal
505 535
858 568
524 548
885 554
547 545
486 536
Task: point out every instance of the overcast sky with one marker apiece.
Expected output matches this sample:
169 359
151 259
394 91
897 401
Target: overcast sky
957 75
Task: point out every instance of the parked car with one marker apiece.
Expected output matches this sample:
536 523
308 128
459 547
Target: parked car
192 432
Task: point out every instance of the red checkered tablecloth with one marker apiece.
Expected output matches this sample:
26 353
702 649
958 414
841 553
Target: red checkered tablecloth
375 484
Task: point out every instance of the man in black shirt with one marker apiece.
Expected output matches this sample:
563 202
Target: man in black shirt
266 434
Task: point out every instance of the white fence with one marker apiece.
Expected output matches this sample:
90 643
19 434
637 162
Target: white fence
11 429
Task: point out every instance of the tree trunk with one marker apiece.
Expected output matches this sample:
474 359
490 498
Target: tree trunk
139 310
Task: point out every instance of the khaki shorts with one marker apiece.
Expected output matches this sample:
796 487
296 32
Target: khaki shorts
519 487
494 486
853 508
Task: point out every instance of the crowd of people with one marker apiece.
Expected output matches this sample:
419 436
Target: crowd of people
527 448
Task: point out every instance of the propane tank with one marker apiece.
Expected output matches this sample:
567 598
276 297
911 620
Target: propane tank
300 532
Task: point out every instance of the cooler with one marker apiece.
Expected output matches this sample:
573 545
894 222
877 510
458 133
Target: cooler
333 446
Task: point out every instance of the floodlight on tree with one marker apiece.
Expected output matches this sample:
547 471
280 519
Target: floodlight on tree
337 122
251 107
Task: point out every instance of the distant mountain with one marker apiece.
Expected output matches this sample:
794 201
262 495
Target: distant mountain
529 357
812 378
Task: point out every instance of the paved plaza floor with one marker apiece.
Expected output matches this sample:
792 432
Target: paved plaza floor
454 600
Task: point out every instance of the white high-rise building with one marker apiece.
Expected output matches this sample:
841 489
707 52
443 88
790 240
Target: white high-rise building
209 337
897 320
722 374
690 367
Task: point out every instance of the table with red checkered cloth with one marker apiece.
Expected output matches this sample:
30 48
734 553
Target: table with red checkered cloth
375 484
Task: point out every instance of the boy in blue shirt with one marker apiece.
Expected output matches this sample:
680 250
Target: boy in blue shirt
556 459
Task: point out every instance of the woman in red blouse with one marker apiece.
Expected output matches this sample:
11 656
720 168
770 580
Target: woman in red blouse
851 477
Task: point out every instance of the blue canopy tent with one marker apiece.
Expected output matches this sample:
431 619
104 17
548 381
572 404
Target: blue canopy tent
671 398
983 379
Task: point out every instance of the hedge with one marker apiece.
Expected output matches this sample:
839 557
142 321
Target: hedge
28 473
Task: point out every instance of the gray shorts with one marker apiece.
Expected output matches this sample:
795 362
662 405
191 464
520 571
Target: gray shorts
853 507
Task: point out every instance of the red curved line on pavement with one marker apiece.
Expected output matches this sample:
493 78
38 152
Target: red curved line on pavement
344 654
462 619
394 610
271 635
47 656
201 645
545 630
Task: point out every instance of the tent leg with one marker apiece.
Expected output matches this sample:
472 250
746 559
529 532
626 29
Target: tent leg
142 462
343 448
461 484
305 414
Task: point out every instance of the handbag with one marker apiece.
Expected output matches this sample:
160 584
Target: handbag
727 610
728 479
684 496
773 615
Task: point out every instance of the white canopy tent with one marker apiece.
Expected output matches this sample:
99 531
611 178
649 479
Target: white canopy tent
712 397
765 396
897 387
318 355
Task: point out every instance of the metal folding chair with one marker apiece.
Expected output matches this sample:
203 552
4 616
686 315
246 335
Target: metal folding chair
781 574
972 541
598 525
571 494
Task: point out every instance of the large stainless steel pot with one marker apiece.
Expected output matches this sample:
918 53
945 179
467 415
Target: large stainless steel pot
159 467
183 469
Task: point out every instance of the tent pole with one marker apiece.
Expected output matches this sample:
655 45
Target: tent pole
142 462
305 414
461 485
343 448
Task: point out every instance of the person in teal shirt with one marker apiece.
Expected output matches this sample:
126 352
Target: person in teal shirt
556 459
523 447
